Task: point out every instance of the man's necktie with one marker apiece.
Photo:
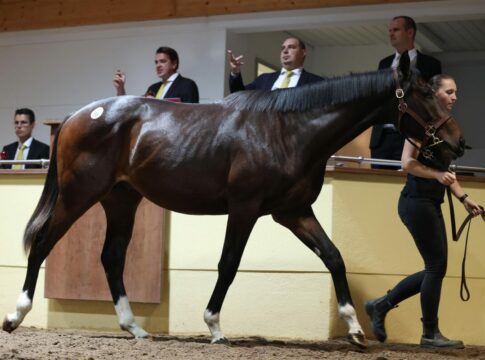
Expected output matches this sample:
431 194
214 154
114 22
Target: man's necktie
286 80
20 156
161 90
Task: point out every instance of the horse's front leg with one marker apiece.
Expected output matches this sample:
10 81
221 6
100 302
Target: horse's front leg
120 207
242 217
307 228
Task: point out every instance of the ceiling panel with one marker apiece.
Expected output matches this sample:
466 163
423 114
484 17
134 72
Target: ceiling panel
461 35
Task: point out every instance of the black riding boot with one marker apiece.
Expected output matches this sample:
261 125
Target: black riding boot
377 310
432 337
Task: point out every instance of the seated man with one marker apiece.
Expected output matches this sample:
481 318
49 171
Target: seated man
26 148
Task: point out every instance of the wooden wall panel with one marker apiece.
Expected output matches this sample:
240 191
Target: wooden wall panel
18 15
74 269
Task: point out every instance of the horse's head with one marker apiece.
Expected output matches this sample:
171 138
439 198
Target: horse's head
423 118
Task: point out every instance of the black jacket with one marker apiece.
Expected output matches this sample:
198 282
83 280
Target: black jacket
427 65
38 150
266 81
183 88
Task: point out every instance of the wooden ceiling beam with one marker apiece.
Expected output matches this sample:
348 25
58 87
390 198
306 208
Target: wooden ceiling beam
17 15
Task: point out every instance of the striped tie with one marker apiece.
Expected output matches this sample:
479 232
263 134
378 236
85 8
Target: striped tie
286 80
20 156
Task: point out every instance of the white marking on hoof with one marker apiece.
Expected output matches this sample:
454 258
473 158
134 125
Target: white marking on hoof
127 320
347 313
24 305
212 321
96 113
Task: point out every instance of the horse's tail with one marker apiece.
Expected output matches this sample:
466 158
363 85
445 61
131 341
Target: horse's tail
43 212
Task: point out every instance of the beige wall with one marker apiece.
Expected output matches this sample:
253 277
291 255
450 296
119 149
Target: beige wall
282 290
379 252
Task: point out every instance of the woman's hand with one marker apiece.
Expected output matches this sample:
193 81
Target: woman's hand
445 177
472 207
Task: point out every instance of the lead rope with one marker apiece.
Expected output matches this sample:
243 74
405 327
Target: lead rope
464 292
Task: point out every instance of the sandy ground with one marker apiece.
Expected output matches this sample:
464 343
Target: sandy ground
31 343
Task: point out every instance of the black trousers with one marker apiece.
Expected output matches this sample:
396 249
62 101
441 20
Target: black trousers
424 220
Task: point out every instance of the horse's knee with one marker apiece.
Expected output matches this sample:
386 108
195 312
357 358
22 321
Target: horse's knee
227 271
334 261
111 261
106 260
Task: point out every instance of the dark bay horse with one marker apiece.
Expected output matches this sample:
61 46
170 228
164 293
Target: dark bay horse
252 154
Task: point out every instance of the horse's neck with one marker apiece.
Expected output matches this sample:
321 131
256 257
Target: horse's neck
335 129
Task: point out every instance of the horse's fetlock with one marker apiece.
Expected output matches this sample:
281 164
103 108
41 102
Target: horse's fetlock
211 318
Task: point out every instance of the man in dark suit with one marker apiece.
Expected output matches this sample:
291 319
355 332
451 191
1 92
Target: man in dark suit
386 142
26 148
173 86
292 57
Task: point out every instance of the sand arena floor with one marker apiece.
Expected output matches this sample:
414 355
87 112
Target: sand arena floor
31 343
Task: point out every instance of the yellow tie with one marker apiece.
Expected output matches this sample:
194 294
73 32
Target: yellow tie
20 156
161 90
286 80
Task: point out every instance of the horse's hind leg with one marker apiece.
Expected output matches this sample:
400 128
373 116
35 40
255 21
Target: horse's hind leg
120 207
52 231
239 225
307 228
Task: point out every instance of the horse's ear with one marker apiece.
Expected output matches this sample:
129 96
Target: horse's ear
405 65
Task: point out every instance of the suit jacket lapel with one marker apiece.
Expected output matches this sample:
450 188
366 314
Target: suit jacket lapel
271 80
303 78
32 150
173 88
11 150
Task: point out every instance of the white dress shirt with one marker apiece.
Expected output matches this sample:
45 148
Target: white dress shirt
413 54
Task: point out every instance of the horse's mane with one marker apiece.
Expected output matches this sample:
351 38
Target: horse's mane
322 94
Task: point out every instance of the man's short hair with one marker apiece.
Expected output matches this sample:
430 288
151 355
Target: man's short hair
171 53
26 111
301 43
409 23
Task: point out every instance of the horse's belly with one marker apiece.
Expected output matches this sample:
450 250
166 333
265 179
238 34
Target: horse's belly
183 195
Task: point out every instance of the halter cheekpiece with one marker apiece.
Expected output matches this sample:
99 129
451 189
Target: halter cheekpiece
430 138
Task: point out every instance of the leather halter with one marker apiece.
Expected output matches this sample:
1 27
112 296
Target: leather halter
430 138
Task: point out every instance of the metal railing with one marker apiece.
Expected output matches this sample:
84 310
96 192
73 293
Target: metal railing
44 163
396 163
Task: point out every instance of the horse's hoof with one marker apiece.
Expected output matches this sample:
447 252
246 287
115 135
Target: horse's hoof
142 335
8 325
221 341
358 339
